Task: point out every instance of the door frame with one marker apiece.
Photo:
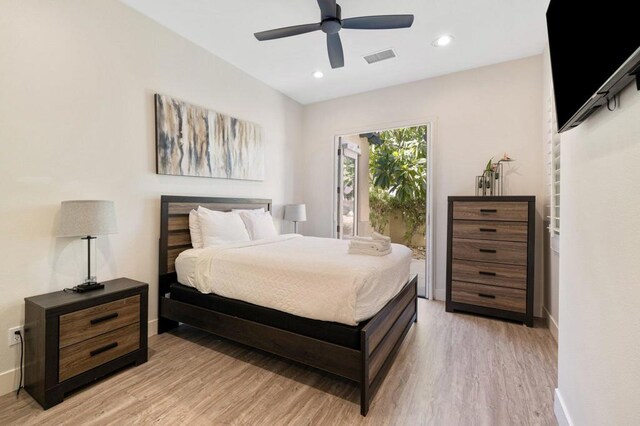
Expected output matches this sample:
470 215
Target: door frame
431 124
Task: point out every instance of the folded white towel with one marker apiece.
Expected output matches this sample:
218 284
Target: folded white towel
363 239
372 245
380 237
368 252
375 237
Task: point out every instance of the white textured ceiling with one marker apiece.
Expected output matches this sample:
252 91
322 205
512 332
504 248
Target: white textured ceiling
485 32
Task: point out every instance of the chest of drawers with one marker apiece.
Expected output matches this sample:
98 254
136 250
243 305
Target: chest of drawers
490 256
72 339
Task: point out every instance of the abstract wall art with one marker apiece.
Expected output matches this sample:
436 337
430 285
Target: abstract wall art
195 141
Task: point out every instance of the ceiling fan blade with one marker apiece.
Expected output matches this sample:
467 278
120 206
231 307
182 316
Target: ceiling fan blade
286 31
334 47
327 8
381 22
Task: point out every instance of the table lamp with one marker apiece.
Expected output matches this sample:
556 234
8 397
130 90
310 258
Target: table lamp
295 213
86 219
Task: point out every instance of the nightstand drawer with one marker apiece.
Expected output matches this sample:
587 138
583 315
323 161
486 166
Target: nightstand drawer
490 251
491 210
513 276
508 299
87 323
490 230
83 356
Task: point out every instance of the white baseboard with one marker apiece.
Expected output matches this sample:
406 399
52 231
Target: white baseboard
440 294
152 329
553 324
560 410
9 379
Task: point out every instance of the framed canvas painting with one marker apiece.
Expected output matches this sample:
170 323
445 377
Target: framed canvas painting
195 141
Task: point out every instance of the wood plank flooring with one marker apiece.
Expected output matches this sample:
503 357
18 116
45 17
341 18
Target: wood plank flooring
452 369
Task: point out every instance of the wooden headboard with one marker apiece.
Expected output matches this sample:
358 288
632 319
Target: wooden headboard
174 225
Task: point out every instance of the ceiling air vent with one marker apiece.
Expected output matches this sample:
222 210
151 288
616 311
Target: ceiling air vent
380 56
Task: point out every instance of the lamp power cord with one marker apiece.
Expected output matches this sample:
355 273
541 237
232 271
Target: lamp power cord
19 334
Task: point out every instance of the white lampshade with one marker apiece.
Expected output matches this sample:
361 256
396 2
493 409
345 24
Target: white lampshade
295 213
80 218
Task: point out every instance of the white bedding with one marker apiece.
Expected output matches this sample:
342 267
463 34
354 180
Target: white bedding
305 276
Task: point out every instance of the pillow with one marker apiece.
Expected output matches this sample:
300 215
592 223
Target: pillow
221 227
259 225
194 229
260 210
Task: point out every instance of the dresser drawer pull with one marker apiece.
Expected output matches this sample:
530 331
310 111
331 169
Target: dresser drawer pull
104 318
103 349
488 210
488 296
493 274
488 230
488 250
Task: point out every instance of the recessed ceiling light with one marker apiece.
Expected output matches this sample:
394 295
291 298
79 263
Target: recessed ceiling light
318 74
442 41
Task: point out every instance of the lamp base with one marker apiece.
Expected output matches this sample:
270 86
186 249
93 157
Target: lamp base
83 288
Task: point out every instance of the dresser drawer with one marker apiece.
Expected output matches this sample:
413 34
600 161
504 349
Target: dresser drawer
508 299
498 274
490 251
84 356
87 323
491 210
490 230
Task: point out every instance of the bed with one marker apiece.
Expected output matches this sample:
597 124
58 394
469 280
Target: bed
361 351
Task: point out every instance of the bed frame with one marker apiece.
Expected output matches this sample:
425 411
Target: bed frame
380 337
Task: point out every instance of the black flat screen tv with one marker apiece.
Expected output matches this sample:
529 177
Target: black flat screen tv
595 53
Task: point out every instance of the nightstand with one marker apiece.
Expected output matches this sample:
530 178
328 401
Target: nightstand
72 339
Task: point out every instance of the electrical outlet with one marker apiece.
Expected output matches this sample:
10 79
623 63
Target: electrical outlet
14 339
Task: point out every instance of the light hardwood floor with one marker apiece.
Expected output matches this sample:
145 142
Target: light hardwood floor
452 369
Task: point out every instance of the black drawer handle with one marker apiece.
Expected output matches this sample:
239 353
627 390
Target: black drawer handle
104 318
488 230
488 250
493 274
488 210
103 349
488 296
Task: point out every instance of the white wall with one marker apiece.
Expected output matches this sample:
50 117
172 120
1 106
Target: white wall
77 80
599 341
476 114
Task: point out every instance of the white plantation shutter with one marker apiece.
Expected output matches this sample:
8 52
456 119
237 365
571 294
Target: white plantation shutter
553 168
555 190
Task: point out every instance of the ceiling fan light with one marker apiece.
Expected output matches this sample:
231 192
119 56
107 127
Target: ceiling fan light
443 40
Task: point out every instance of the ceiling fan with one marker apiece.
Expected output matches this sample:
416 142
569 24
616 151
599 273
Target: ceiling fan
331 23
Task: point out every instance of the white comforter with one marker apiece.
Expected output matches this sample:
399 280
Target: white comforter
305 276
